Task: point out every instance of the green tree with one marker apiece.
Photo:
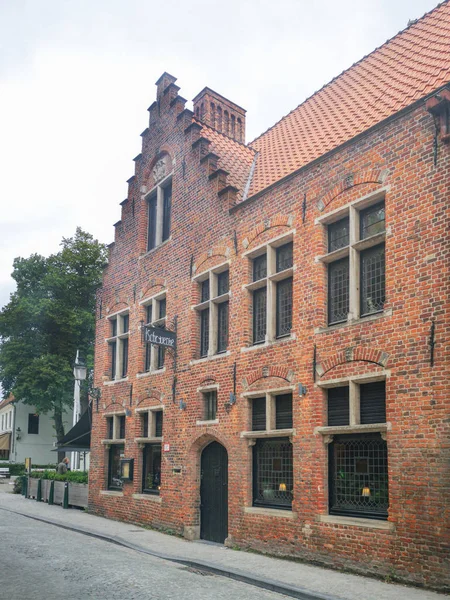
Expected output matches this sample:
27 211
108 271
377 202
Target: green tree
49 317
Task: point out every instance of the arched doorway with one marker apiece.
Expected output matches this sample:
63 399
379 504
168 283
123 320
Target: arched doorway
214 493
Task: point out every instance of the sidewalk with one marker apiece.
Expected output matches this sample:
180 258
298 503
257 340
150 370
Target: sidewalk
293 579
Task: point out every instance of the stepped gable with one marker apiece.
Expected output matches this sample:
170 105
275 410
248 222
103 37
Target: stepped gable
233 157
406 68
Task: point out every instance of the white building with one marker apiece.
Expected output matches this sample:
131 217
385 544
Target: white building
24 433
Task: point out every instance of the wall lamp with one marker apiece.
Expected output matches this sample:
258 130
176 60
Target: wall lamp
302 389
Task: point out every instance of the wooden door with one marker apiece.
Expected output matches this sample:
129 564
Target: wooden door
214 493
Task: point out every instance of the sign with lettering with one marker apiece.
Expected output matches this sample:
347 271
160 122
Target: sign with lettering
160 337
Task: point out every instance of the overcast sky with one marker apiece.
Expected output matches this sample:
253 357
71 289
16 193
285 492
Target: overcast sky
76 78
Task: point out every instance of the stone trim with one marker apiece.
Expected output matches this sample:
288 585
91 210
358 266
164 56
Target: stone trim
152 497
111 493
270 512
356 522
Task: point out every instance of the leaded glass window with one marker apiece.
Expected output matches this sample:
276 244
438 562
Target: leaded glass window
259 315
109 428
260 267
158 416
284 257
122 422
204 290
113 357
273 473
222 327
372 280
151 483
210 405
204 332
372 221
124 357
284 307
151 236
338 291
223 283
167 211
338 234
116 452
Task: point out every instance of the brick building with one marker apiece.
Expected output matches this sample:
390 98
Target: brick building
306 275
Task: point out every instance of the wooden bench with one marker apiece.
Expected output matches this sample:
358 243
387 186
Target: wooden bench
4 472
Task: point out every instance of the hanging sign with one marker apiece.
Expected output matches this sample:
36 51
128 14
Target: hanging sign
160 337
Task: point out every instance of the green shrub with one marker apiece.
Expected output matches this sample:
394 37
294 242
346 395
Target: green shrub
19 468
73 476
17 489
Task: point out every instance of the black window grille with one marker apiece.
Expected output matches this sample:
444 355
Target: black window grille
259 414
33 423
113 327
338 234
124 357
260 267
283 411
122 421
273 473
222 327
158 416
116 452
338 291
284 307
145 431
162 308
151 476
358 476
151 234
284 258
167 211
259 315
338 406
109 428
372 221
204 332
210 405
113 357
372 402
125 323
205 290
223 283
372 280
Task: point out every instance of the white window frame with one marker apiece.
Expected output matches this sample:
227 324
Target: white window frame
270 282
158 191
118 339
154 302
212 304
353 250
270 431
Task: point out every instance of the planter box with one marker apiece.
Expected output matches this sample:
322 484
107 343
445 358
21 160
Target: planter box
32 487
78 494
45 489
58 497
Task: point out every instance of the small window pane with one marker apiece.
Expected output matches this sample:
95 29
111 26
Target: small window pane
283 411
109 428
158 416
210 400
33 424
204 291
148 357
124 357
113 356
122 427
116 452
284 307
260 267
223 283
125 323
148 313
284 257
272 473
338 291
162 308
161 357
152 469
372 401
167 210
259 414
338 234
151 236
113 323
372 280
204 332
338 406
222 327
372 221
259 315
145 431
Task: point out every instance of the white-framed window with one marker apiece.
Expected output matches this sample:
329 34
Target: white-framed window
272 271
159 202
118 343
155 316
213 310
355 259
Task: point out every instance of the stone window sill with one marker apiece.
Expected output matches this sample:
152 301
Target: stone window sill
356 522
111 493
197 361
268 434
113 381
151 372
359 321
345 429
151 497
283 340
270 512
111 442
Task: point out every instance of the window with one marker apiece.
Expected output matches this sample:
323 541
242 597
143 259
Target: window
152 423
356 262
118 345
159 214
355 404
210 405
271 412
213 311
33 424
116 452
155 316
272 473
115 427
271 289
151 477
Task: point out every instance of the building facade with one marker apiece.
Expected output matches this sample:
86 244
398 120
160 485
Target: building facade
304 409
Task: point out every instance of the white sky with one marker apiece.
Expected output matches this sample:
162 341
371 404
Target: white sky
76 78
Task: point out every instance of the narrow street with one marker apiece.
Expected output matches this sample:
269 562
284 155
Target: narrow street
41 561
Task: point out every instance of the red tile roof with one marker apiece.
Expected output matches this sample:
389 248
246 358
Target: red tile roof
404 69
5 401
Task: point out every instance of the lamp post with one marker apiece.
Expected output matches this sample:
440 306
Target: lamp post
79 373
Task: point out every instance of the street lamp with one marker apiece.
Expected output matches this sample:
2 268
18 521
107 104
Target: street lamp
79 368
79 373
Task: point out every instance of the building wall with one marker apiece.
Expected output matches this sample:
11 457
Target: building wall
396 157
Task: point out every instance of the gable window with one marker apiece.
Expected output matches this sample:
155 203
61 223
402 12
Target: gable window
33 424
271 290
155 316
213 310
159 214
118 345
355 261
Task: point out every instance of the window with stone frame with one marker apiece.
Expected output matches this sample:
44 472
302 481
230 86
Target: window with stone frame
213 310
115 453
272 271
118 345
151 424
271 411
151 469
115 442
273 478
209 405
150 438
159 202
155 316
355 260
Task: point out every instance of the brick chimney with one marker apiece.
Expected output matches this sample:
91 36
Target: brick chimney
219 113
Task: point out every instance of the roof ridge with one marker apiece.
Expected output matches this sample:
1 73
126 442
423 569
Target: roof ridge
411 23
